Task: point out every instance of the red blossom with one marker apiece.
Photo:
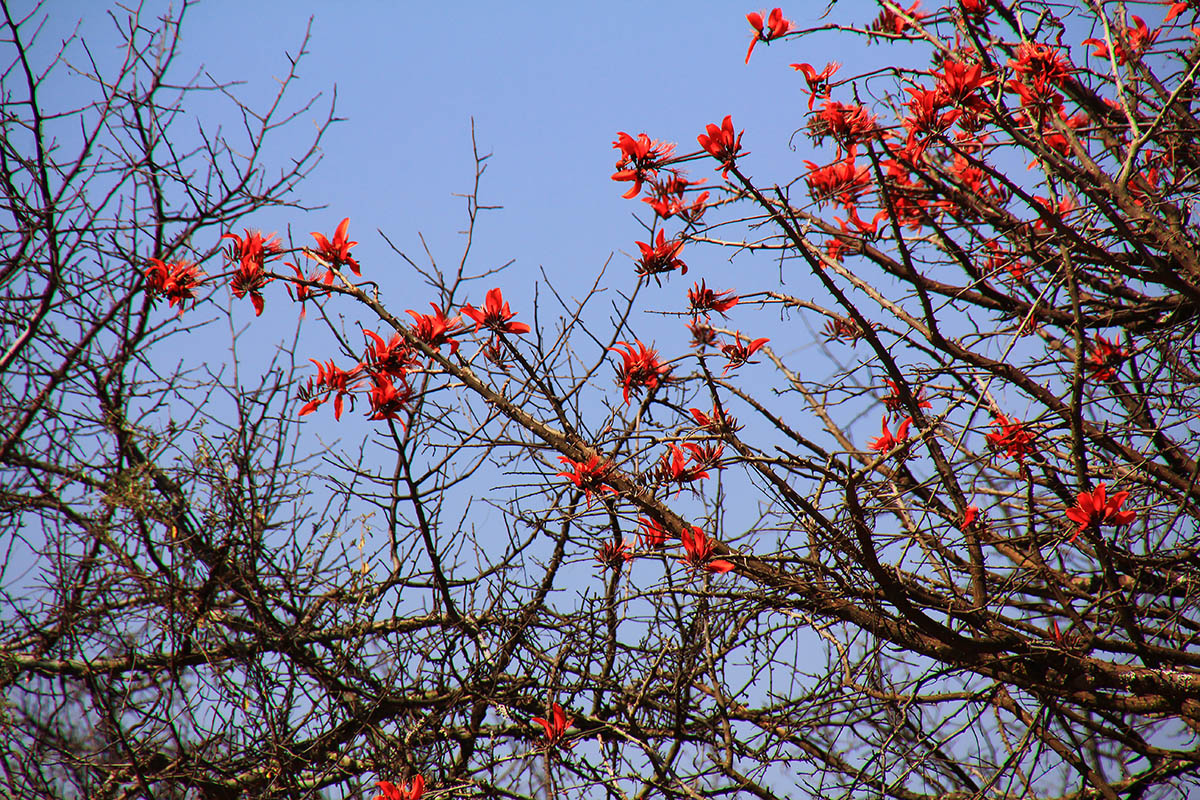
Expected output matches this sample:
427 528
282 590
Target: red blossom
959 84
388 401
588 477
639 368
969 517
674 467
818 82
703 300
698 551
613 555
705 456
408 791
330 378
251 254
395 357
848 123
739 353
436 329
886 442
715 422
641 158
495 315
176 281
1129 43
721 143
1092 509
668 199
1012 437
775 27
1105 358
841 181
334 253
843 330
304 292
661 257
926 116
651 534
556 726
703 334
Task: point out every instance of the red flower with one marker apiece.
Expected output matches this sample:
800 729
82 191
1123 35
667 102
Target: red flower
848 124
705 456
818 82
698 552
652 534
1012 437
1041 65
927 116
738 353
1175 10
176 281
251 254
1104 358
639 369
969 517
668 199
843 330
336 253
673 467
613 555
556 726
959 83
886 442
436 329
329 379
1092 509
395 358
703 334
704 300
388 401
1130 43
776 26
254 248
662 257
641 158
588 477
494 315
407 791
720 143
304 292
715 422
840 181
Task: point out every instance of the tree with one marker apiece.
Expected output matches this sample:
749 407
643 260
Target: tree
531 577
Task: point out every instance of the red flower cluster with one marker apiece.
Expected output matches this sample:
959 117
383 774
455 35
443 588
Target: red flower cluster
698 552
251 254
176 281
1129 43
613 554
436 329
495 315
715 422
703 300
330 379
639 368
661 257
894 404
641 158
1011 437
739 353
334 254
887 442
651 534
841 181
556 726
588 476
775 27
818 82
674 466
407 791
721 143
1105 358
1092 509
